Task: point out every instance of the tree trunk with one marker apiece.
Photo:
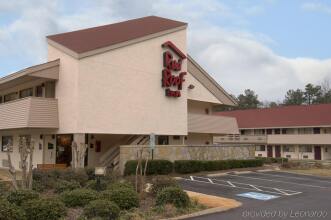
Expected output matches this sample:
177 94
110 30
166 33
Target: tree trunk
11 170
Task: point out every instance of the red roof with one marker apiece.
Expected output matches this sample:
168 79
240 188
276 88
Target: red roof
284 116
98 37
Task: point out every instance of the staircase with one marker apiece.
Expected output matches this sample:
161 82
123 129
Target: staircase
111 158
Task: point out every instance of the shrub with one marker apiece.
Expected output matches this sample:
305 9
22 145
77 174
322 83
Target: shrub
117 185
78 175
4 189
92 184
192 166
20 196
173 195
272 160
125 198
102 208
159 167
161 182
90 173
78 197
38 186
64 185
46 208
10 211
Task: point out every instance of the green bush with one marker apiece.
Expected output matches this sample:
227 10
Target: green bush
10 211
64 185
4 189
102 208
78 197
125 198
92 184
173 195
269 160
46 208
117 185
20 196
161 182
154 167
38 186
193 166
78 175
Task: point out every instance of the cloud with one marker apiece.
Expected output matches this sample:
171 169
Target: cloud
237 59
316 7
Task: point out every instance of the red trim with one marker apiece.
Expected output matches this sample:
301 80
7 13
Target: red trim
174 49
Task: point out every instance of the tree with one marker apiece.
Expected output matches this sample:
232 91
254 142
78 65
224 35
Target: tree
312 94
294 97
248 100
26 148
78 154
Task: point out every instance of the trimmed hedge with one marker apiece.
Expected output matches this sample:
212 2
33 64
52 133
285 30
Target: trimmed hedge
20 196
154 167
9 211
193 166
161 182
273 160
45 208
173 195
64 185
78 197
103 209
125 198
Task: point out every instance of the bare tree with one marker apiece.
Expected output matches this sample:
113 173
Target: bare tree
141 170
78 155
12 171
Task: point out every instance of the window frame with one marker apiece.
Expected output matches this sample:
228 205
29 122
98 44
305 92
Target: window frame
2 142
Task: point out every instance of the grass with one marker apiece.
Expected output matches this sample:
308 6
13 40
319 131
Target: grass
312 171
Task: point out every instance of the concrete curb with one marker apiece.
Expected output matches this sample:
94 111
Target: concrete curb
200 213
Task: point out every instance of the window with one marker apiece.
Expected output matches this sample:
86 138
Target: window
26 93
284 131
207 111
10 97
163 140
39 91
0 99
304 131
260 148
306 149
242 132
176 137
269 131
288 149
6 140
317 131
277 131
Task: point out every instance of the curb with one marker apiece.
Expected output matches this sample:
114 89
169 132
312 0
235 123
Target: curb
200 213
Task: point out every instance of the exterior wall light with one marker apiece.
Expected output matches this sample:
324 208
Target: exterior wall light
191 86
99 172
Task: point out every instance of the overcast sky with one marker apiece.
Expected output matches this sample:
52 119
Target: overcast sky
269 46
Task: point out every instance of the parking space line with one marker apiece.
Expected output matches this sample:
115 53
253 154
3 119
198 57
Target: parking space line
245 186
280 181
293 177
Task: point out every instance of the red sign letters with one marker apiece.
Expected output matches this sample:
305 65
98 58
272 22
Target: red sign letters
172 81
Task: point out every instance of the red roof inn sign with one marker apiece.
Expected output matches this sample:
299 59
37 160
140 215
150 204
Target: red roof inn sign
172 78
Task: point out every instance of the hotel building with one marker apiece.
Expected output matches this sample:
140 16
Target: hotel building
294 132
109 86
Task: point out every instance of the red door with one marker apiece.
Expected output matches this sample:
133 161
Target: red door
317 151
269 151
277 151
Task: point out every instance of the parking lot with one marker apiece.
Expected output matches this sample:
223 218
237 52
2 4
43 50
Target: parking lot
267 195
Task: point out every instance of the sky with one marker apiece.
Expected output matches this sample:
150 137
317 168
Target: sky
269 46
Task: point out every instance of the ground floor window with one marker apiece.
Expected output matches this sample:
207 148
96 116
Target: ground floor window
306 149
260 148
6 140
163 140
63 148
288 149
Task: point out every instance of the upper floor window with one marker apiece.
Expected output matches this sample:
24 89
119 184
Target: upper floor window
10 97
39 91
260 148
284 131
0 99
163 140
277 131
6 140
26 93
269 131
317 130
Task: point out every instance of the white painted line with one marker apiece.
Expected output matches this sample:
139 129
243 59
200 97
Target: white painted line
279 181
242 172
210 180
231 184
191 177
255 187
216 174
266 170
226 185
293 177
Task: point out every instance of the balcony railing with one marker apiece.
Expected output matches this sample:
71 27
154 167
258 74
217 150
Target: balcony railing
30 112
299 139
236 138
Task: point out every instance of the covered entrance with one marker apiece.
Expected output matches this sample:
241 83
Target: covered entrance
277 151
63 149
269 151
317 153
